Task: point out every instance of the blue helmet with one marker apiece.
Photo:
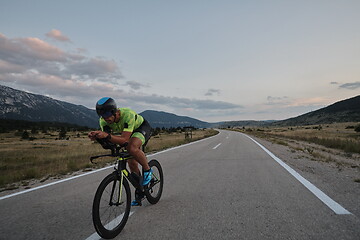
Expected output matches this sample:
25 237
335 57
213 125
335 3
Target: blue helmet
106 107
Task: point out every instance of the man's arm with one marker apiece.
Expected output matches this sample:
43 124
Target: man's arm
123 138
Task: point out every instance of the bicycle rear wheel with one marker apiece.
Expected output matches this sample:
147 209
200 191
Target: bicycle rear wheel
111 206
154 189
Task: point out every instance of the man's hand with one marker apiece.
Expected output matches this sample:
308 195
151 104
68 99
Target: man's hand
93 135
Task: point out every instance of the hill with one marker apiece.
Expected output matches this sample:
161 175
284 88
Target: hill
20 105
247 123
168 120
343 111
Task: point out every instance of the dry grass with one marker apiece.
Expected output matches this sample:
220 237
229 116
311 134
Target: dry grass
337 144
21 160
336 136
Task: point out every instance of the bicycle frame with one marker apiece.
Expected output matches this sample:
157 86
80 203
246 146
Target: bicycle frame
122 172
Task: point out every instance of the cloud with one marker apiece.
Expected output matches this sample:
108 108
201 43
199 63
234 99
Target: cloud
182 103
22 56
277 100
35 65
212 91
351 86
60 88
285 102
315 101
28 51
7 67
57 35
94 67
135 85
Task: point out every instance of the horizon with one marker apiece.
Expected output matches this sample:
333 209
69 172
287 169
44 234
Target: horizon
213 61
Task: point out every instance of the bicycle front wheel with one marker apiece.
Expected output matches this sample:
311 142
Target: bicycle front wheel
111 206
154 189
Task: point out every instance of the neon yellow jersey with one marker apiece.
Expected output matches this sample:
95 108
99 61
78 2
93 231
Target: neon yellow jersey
129 121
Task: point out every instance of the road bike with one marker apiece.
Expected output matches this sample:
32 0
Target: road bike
112 201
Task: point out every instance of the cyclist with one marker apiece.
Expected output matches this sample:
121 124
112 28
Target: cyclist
134 130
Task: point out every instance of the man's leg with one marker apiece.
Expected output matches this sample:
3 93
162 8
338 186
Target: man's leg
134 148
134 166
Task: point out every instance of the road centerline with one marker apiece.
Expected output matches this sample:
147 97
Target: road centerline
217 146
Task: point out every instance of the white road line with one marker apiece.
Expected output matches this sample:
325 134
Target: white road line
217 146
53 183
96 236
337 208
95 171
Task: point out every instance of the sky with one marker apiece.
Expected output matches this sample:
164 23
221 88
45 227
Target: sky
214 60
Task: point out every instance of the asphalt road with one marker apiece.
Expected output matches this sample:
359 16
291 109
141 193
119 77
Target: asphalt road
224 187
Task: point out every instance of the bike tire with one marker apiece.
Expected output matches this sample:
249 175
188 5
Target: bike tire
154 189
109 213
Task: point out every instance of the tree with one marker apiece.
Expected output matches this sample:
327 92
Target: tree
62 133
44 129
357 128
25 135
156 131
34 130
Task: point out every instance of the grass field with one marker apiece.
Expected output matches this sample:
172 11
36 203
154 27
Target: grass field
336 144
337 136
45 157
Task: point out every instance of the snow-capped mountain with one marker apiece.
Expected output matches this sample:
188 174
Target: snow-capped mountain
20 105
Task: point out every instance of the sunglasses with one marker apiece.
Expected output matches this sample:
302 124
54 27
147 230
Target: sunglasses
106 115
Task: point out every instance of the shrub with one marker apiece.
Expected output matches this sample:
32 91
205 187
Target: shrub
31 173
357 128
34 130
62 133
25 135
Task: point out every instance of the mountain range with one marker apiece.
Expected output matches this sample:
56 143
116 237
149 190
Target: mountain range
168 120
343 111
20 105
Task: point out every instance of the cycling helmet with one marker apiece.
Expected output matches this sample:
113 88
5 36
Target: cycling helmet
106 107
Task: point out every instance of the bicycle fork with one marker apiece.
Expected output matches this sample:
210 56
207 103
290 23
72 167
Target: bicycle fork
123 173
120 180
118 201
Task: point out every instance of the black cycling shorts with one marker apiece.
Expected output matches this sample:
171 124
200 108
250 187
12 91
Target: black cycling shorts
145 129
